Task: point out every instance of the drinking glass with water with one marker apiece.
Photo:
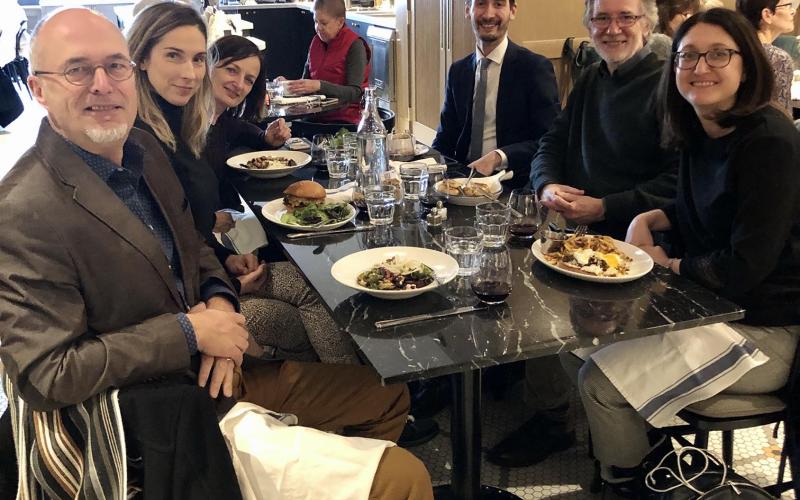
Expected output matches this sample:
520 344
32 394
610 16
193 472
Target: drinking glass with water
464 243
338 161
493 219
380 201
415 180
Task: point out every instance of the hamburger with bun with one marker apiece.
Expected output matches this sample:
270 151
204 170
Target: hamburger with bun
301 193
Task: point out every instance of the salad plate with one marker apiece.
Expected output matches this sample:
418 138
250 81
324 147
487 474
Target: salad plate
407 264
275 210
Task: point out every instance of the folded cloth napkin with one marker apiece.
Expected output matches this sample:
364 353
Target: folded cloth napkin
247 235
276 460
282 101
662 374
427 161
343 193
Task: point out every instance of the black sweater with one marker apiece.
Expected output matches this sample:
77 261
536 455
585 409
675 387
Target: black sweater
196 176
606 142
737 216
228 133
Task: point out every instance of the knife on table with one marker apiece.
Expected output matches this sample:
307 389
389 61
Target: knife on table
311 234
388 323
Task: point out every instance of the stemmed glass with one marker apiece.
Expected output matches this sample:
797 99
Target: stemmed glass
492 282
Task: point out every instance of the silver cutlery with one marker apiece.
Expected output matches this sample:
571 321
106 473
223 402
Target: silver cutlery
312 234
388 323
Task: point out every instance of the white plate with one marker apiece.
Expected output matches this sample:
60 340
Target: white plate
640 264
421 149
470 201
275 209
236 162
347 269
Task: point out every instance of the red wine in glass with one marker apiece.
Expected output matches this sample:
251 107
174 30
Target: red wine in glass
491 292
523 230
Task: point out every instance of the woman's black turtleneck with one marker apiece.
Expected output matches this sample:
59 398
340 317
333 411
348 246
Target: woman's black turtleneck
198 179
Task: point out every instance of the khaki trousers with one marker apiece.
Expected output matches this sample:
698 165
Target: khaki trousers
348 399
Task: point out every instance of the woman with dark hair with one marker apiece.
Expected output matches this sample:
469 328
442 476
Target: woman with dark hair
238 81
671 14
772 18
736 227
306 332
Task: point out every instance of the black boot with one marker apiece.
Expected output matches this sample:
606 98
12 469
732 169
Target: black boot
532 442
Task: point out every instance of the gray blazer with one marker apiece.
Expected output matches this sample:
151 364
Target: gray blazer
87 298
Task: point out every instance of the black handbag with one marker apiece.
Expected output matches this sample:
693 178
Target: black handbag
693 474
578 59
10 104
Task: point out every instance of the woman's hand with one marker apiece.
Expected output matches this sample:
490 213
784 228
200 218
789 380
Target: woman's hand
658 254
639 233
224 222
277 133
303 87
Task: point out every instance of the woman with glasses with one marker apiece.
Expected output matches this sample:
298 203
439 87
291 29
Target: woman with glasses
772 18
176 98
735 224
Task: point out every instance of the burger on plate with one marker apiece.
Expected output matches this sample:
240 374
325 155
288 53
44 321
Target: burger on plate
301 193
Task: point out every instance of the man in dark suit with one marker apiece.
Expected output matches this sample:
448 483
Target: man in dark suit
105 284
500 100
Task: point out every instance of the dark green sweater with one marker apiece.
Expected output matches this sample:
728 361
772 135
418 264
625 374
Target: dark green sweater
606 142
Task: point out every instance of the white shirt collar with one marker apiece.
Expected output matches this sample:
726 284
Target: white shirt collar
497 55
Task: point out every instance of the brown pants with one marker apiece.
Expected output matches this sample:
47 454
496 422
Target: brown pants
348 399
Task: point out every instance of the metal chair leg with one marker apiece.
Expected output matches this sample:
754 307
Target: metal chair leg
701 439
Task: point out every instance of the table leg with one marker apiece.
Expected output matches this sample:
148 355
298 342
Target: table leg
465 432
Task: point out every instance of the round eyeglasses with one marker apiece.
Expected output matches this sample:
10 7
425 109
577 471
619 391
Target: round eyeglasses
83 74
623 21
715 58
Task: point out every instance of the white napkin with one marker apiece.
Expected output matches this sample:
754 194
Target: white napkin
342 194
282 101
247 235
427 161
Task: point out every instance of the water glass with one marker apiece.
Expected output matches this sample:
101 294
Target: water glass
338 162
274 91
319 144
464 243
526 216
401 146
436 174
380 204
415 180
492 281
493 220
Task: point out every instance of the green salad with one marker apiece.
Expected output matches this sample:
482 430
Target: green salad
315 214
396 274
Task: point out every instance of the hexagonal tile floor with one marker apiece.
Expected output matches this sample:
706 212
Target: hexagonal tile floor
569 473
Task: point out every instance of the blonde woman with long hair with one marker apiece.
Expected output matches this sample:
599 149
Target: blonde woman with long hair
168 44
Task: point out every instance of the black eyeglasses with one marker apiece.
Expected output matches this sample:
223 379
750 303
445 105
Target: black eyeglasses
715 58
623 21
83 74
787 4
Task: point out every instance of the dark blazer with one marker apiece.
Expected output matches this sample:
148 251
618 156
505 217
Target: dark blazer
87 298
527 103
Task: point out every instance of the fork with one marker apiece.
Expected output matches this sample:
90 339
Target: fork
581 230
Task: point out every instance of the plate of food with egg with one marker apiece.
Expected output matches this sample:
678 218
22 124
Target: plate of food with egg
601 259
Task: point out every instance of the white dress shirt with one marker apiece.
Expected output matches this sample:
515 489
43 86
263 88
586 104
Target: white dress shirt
492 85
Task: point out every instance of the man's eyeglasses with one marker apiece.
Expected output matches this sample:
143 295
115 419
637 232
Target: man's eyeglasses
715 58
83 74
623 21
787 4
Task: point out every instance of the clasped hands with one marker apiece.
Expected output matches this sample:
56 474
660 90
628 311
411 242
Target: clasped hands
572 203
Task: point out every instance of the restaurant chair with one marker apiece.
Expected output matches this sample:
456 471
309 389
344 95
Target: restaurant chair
730 412
308 128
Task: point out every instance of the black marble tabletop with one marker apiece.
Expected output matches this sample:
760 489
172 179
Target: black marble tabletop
546 312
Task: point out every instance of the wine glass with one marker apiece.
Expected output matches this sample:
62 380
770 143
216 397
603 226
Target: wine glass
525 213
492 282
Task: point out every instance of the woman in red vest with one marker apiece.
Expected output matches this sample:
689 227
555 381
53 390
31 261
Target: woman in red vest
338 62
